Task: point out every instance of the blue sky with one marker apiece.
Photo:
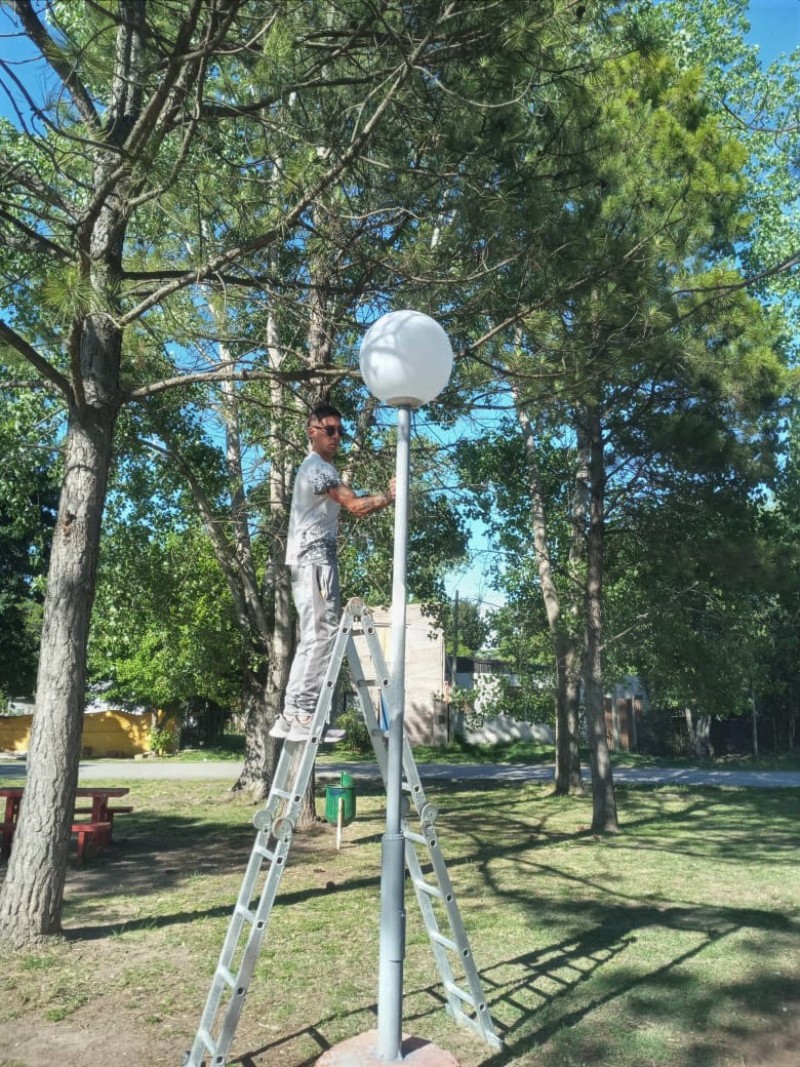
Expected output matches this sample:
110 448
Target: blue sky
774 26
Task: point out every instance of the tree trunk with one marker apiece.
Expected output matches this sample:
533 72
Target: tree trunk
261 750
32 893
568 762
568 779
604 806
699 733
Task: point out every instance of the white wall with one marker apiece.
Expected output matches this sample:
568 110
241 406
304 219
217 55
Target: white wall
425 721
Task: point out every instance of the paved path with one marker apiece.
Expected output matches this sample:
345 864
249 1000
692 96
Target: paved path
130 770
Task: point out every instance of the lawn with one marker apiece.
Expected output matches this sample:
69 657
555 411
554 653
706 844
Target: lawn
674 943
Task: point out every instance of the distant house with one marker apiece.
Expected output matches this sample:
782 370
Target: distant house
483 674
624 706
426 715
429 717
106 732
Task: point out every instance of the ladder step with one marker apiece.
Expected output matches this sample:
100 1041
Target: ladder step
426 887
208 1040
248 915
462 994
227 976
418 839
440 939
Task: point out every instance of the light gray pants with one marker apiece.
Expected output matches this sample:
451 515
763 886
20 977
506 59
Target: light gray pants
316 595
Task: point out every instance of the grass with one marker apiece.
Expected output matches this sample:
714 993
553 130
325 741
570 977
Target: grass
674 943
460 752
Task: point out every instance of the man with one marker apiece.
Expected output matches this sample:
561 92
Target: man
317 497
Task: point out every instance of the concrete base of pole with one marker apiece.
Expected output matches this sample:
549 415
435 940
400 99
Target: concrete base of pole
362 1051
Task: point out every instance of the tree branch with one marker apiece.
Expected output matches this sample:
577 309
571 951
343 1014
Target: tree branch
44 243
288 218
51 52
28 352
230 375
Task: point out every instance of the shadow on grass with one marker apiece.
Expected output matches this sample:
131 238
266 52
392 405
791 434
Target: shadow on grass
541 996
542 1014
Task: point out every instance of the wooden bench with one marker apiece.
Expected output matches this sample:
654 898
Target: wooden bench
120 809
88 831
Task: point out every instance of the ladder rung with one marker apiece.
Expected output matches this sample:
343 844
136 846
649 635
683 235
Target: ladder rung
207 1040
451 987
418 839
426 887
262 850
285 794
246 913
227 976
446 941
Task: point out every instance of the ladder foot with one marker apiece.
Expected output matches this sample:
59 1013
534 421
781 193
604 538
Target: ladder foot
262 820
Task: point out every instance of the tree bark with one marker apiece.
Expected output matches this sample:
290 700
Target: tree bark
565 645
604 806
31 895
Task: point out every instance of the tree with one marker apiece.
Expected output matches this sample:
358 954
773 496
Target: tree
639 316
143 88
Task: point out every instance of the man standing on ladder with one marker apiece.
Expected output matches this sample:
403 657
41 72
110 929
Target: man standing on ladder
317 497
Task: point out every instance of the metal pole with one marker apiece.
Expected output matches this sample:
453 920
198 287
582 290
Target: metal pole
393 915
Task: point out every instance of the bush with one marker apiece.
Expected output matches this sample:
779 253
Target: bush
356 734
164 738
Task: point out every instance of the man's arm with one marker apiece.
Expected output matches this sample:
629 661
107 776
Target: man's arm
360 506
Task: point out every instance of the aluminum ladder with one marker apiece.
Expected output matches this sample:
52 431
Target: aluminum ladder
275 824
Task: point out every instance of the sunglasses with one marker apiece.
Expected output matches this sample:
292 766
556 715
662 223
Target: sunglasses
331 431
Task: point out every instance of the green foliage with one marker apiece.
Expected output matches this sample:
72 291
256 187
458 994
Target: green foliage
570 174
356 734
164 738
163 629
472 626
28 501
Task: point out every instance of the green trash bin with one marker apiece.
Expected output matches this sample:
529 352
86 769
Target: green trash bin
346 792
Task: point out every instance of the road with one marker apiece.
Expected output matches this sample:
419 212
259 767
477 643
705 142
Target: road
152 769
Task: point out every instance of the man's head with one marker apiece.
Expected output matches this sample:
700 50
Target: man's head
324 427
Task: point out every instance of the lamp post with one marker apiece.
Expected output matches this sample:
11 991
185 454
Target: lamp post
406 360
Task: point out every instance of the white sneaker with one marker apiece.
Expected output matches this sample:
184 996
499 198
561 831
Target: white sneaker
281 727
300 728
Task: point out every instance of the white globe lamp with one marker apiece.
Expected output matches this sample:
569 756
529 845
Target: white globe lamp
406 359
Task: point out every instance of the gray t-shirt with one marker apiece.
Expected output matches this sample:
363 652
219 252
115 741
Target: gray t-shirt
314 517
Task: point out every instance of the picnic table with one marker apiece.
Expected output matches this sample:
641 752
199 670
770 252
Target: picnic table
96 830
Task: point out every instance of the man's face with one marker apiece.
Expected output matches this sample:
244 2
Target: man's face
324 441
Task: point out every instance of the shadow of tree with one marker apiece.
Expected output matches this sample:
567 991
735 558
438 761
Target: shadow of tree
505 837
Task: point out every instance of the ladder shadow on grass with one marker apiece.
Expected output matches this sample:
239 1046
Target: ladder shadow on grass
551 975
581 958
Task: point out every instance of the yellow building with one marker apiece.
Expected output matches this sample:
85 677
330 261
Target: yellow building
105 733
